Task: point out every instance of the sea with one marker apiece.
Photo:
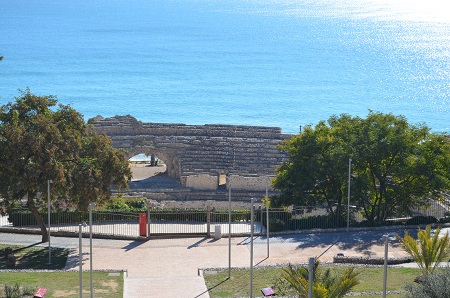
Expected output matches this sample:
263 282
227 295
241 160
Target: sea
282 63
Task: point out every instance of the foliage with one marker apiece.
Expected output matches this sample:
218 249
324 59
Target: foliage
325 285
429 250
16 291
136 204
395 166
266 202
435 285
421 220
40 142
13 291
118 204
122 204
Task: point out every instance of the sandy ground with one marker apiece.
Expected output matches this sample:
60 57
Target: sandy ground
141 173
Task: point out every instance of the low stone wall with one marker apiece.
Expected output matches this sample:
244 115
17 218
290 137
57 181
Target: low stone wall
370 261
202 181
255 183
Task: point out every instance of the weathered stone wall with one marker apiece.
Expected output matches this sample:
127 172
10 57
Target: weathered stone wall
200 155
201 181
255 183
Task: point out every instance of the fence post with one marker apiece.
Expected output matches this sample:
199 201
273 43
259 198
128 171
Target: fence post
260 219
208 221
148 218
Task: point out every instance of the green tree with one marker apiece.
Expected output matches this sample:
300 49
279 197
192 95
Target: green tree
41 142
327 284
429 250
396 166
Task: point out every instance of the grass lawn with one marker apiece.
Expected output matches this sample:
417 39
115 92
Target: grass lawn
59 283
371 280
65 284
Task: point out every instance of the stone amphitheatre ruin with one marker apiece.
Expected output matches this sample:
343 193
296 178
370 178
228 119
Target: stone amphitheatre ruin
202 161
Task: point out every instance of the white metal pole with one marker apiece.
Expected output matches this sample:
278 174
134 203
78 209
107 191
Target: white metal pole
229 228
80 259
148 219
251 246
348 192
48 219
386 244
311 276
90 248
267 216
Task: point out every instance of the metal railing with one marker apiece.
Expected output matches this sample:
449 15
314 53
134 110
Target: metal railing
122 224
203 222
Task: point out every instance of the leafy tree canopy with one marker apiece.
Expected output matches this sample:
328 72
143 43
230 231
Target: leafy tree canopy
40 141
396 166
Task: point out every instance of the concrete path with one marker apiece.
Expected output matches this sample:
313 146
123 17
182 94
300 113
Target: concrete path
170 267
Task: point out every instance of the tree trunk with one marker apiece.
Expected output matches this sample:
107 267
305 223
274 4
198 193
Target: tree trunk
38 218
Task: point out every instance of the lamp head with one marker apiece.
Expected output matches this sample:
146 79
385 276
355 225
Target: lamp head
389 237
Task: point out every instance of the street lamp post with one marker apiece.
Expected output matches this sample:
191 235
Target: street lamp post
311 265
252 229
80 257
267 215
91 205
229 227
386 239
348 192
48 219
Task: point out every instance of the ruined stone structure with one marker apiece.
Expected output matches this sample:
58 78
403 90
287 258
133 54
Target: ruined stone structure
202 157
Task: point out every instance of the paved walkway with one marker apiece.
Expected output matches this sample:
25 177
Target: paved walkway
170 267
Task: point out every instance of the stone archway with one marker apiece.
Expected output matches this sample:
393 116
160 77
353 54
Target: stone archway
171 163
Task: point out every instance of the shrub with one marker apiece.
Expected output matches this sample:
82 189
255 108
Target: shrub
118 204
325 282
236 215
421 220
434 285
16 291
13 291
136 204
277 225
445 219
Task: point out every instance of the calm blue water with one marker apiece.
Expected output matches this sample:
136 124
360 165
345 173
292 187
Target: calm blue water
262 62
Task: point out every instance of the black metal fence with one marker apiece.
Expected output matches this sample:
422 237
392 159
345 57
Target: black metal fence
109 223
210 222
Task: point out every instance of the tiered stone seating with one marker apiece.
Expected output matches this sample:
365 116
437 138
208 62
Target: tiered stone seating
247 151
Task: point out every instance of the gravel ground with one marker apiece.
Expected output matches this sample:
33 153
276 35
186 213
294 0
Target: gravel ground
204 204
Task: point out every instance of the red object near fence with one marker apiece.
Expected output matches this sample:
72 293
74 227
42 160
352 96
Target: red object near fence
143 224
40 293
